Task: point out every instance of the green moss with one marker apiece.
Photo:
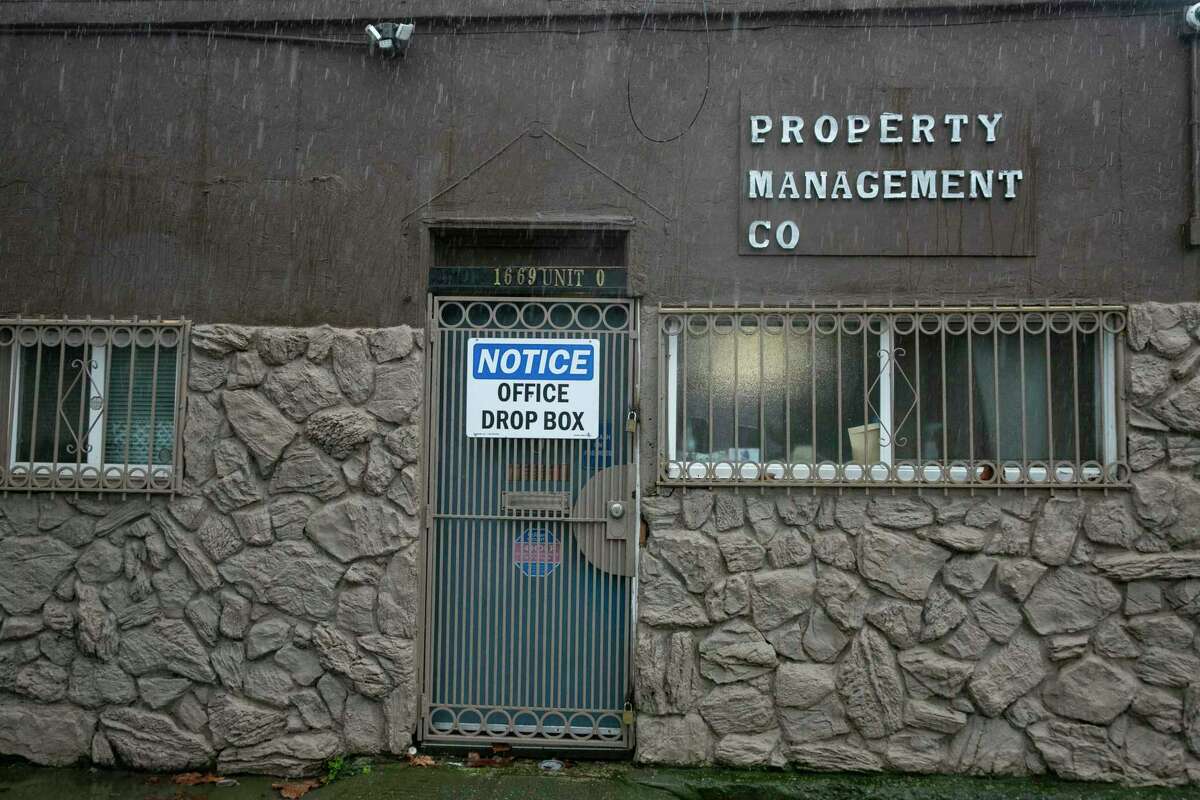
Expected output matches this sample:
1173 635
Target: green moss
580 781
717 784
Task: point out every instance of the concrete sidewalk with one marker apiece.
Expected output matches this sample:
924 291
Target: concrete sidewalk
589 781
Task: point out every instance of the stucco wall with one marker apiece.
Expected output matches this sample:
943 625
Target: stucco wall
263 621
196 176
1009 634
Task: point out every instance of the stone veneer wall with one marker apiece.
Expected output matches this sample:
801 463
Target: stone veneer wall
1005 634
264 620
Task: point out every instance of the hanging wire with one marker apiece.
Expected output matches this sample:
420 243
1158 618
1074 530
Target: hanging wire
707 78
78 30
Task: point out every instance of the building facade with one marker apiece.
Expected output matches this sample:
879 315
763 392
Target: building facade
727 382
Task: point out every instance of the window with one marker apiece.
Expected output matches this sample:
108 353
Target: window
998 396
90 406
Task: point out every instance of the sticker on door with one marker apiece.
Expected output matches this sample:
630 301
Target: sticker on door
536 552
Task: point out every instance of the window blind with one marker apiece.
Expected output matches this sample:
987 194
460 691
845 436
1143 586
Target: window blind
128 412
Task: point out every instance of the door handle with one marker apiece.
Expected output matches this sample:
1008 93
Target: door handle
616 509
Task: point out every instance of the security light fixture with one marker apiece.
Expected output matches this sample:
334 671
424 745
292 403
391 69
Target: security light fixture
1192 16
390 38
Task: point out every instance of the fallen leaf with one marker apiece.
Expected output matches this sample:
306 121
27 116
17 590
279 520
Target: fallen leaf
297 789
420 761
475 760
195 778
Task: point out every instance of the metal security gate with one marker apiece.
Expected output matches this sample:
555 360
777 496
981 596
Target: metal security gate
531 544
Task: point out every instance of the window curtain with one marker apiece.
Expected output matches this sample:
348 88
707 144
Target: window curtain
999 434
1051 417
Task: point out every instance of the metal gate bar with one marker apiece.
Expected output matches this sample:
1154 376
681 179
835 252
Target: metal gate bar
510 655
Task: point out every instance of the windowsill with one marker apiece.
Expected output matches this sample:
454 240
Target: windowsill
552 731
115 477
873 474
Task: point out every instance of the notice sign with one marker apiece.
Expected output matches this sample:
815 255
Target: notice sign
533 388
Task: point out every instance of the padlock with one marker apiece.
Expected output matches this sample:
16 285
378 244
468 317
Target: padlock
631 421
627 715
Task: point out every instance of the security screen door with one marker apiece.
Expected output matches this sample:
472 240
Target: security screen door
531 545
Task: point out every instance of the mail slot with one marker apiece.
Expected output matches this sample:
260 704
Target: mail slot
555 502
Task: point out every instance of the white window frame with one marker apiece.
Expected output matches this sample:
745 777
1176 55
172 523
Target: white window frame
878 473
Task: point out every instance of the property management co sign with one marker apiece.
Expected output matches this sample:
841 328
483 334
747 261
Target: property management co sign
855 171
533 388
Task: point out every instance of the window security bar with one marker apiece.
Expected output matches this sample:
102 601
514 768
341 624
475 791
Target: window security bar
998 396
92 405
